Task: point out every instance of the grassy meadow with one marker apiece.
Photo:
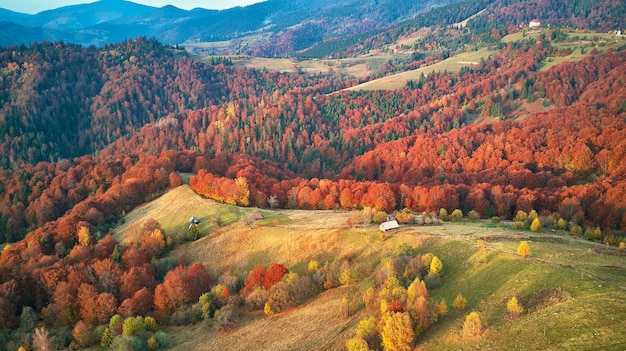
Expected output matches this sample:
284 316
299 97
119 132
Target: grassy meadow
573 290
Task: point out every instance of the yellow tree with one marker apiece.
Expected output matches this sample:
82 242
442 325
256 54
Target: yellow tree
397 332
523 249
84 236
535 226
460 302
514 307
436 266
473 325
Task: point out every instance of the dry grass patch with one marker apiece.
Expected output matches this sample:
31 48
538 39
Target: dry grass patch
312 326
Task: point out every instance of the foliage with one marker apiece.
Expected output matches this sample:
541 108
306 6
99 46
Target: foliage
535 226
513 307
460 303
523 249
436 266
473 326
456 215
397 332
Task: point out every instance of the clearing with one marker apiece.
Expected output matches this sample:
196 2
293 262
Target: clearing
399 80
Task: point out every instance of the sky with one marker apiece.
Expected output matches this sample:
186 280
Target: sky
35 6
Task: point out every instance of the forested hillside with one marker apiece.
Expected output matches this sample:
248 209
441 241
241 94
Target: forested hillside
89 134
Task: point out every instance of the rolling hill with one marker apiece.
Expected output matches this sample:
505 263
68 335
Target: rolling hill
110 21
578 306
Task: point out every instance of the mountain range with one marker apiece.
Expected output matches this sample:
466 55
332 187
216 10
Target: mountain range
110 21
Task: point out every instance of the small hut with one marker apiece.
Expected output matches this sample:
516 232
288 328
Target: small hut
389 225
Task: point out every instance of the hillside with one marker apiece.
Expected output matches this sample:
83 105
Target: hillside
475 138
591 279
285 27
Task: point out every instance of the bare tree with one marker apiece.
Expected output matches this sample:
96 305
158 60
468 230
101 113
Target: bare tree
42 340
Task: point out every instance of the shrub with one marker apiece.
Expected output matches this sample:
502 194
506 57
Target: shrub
523 249
150 324
132 326
106 339
521 216
443 214
442 307
456 215
473 215
495 219
125 342
162 338
226 317
357 344
514 307
153 343
185 315
473 325
257 298
576 230
535 226
313 266
561 224
460 303
379 217
593 234
622 245
347 277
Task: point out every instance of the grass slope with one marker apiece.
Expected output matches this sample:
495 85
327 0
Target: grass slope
575 290
399 80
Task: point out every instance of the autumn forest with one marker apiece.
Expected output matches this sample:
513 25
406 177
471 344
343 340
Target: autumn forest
90 133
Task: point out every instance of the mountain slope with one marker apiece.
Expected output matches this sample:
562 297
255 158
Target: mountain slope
116 20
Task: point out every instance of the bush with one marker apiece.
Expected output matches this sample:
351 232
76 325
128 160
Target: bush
473 215
576 230
513 307
357 344
185 315
495 219
593 234
460 303
132 326
443 214
523 249
129 343
379 217
456 215
473 325
562 224
535 226
163 339
227 317
313 266
257 298
432 281
521 216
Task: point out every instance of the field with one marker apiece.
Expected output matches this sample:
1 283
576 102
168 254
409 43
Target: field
399 81
573 289
579 43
